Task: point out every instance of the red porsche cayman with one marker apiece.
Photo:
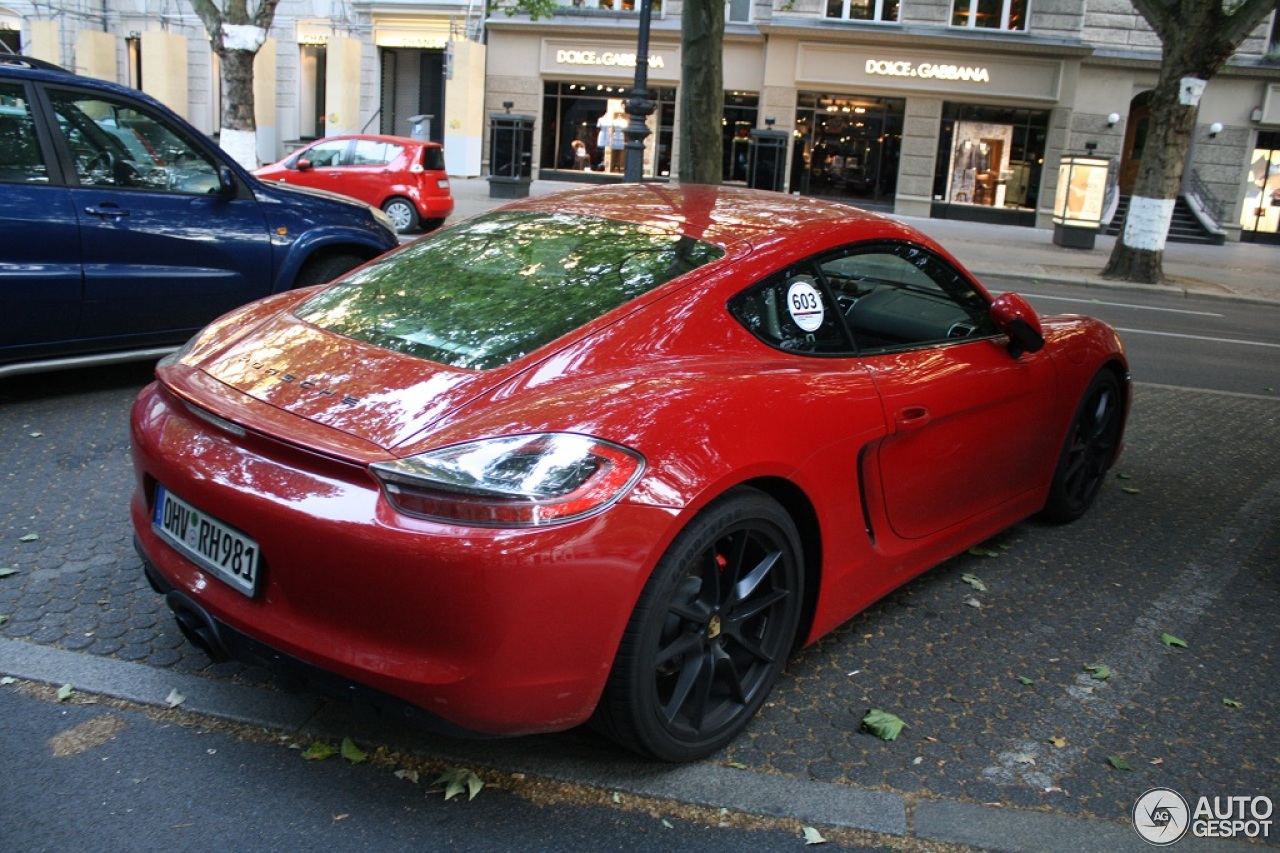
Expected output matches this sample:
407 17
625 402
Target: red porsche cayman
605 455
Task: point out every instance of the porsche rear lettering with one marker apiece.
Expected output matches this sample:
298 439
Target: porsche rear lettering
304 384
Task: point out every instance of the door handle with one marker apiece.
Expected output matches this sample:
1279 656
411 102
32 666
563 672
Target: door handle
912 417
108 210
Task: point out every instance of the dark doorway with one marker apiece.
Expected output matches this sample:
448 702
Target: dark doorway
412 85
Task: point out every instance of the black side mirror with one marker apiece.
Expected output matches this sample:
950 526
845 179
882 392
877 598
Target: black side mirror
226 182
1015 317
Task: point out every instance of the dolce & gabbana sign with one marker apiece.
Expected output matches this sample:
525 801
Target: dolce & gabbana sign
929 70
989 75
605 58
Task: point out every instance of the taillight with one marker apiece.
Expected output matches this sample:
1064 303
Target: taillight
513 481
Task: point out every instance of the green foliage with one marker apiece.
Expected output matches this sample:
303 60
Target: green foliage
882 724
535 9
319 751
459 779
1098 671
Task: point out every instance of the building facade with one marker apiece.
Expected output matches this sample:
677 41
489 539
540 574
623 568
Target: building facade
943 108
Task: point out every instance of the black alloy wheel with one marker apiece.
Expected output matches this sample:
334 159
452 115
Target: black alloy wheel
710 634
1089 451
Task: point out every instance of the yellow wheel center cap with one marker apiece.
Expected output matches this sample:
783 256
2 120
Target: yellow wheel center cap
713 627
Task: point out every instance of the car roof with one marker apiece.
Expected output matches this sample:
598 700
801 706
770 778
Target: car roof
726 215
28 68
381 137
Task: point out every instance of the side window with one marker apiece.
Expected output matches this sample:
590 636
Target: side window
326 154
370 153
896 296
113 144
20 159
791 310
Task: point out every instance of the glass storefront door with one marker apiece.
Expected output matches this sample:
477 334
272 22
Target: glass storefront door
847 147
1260 215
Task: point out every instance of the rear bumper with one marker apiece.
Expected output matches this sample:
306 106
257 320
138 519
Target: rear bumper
221 643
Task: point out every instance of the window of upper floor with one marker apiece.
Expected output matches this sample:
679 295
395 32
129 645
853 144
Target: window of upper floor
863 10
737 11
612 5
1008 15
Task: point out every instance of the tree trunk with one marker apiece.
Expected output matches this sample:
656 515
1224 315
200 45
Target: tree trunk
1198 37
1139 253
702 92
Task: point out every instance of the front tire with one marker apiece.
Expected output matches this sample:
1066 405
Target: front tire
325 269
710 634
1090 448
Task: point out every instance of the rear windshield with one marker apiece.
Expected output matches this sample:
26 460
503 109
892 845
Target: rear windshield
491 289
433 159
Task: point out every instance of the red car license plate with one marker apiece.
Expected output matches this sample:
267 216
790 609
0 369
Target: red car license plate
216 547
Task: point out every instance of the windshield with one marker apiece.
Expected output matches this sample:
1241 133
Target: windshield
485 292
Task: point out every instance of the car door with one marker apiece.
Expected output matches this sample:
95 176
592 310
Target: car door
966 421
40 286
368 175
319 166
164 248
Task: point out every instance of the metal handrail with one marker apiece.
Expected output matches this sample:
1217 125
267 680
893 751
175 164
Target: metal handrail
1207 205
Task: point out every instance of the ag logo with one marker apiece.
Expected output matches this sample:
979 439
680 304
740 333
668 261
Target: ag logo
1161 816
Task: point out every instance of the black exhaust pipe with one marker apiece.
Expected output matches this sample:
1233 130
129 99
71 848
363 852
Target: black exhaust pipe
197 627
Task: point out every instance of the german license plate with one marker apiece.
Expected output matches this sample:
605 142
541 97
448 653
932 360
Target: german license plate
217 547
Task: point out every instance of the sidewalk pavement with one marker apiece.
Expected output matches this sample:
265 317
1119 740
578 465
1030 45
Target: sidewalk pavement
1247 271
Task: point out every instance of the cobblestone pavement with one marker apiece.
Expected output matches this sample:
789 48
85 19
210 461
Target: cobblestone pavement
1185 541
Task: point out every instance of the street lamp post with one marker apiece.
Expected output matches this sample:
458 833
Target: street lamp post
639 107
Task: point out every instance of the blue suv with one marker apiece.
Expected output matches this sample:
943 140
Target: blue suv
123 229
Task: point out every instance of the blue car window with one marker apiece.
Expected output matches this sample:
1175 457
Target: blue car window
113 144
20 159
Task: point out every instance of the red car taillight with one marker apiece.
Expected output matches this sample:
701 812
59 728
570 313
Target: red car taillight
515 481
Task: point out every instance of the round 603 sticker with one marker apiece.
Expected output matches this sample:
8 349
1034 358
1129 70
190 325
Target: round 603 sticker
805 304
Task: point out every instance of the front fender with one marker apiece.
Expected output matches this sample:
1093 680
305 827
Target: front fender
293 254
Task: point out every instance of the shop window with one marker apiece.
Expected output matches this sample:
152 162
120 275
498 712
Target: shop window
863 10
583 128
990 156
990 14
1260 214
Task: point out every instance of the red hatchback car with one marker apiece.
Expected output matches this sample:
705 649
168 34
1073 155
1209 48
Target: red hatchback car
607 455
404 177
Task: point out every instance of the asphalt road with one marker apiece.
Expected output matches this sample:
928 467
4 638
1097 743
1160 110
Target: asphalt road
1218 344
991 682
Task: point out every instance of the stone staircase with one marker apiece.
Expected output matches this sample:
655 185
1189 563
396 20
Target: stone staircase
1185 227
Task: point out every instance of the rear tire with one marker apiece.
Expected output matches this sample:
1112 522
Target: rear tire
402 213
325 269
1090 448
710 634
